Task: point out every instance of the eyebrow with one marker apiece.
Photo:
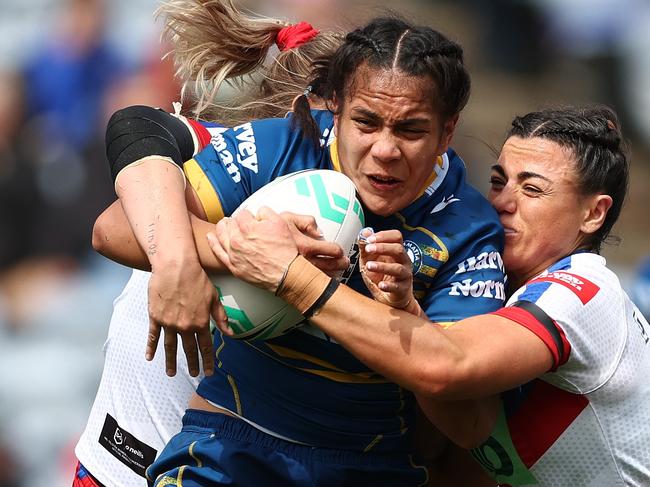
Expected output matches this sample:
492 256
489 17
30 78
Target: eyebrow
375 117
522 175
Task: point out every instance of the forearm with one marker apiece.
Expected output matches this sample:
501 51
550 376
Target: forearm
467 423
153 198
145 148
476 357
114 238
393 342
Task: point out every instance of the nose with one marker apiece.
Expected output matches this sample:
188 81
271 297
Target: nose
386 148
504 201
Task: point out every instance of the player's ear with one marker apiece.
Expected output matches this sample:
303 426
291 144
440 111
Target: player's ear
333 106
448 129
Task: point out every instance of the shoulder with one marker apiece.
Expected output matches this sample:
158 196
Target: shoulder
579 279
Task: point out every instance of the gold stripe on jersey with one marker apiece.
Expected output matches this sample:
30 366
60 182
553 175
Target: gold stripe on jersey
334 155
442 255
434 175
334 373
235 394
216 354
346 377
372 444
203 187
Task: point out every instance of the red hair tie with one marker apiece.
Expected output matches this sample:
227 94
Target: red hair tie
295 35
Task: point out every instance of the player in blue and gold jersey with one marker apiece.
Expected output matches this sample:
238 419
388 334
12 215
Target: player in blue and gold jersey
299 409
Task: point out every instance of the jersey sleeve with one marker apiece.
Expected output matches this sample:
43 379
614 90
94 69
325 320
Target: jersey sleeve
578 318
240 160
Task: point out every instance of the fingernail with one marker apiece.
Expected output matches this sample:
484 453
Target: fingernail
371 265
371 239
210 237
365 233
371 248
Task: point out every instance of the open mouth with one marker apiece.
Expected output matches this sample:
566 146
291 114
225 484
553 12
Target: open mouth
383 181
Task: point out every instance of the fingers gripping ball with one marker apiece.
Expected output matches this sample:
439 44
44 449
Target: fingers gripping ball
327 196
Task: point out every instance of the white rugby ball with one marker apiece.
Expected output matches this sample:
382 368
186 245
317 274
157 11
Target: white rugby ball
328 196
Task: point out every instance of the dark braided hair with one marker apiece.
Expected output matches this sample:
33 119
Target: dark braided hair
593 136
392 43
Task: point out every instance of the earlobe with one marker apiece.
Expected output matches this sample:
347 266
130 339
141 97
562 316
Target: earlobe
333 106
596 213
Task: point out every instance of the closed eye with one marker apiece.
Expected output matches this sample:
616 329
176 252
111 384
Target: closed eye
496 182
532 189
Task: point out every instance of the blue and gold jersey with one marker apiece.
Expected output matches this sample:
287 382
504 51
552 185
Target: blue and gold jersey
304 386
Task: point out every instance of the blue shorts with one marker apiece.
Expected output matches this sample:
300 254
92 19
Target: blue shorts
215 449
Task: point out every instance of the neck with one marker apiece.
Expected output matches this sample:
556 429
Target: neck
515 281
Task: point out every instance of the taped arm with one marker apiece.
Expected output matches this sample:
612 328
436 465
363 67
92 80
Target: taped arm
146 148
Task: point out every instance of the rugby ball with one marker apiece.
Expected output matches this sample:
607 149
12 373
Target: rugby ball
328 196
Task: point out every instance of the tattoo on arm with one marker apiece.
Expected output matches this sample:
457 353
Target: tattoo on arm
151 246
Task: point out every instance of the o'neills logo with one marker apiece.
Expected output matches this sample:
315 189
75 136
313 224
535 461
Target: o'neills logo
581 287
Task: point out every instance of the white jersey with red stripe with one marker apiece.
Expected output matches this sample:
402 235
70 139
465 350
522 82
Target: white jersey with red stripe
587 421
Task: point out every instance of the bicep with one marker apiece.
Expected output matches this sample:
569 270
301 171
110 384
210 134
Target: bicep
498 354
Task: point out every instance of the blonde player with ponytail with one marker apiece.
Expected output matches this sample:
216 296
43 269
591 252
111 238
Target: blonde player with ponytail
137 407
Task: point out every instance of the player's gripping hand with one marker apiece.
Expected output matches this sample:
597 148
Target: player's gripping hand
329 257
256 249
181 301
387 270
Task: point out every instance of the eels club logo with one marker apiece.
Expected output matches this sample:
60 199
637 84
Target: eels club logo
414 253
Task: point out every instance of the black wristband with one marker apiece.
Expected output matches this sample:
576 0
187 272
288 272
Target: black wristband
322 299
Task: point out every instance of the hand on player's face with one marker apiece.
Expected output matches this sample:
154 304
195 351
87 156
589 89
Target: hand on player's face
327 256
258 249
385 267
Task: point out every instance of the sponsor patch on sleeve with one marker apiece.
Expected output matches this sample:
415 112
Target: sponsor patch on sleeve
581 287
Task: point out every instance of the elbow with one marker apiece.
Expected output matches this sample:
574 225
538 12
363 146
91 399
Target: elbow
99 236
438 380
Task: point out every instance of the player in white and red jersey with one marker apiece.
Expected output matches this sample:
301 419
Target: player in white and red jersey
137 407
586 421
551 390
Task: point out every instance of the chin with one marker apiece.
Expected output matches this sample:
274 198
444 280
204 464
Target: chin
381 210
376 205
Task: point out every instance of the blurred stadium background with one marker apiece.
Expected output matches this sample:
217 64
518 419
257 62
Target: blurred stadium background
66 65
